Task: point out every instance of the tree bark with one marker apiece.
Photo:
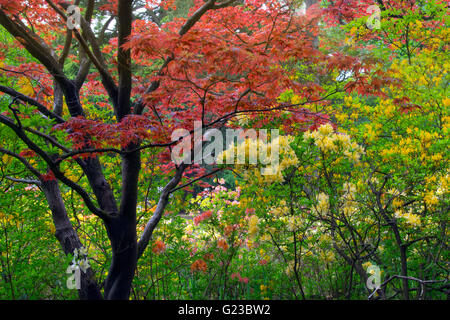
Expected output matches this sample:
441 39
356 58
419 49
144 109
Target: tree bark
68 238
122 232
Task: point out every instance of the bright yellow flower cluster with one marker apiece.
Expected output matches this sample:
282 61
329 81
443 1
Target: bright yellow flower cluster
323 205
410 218
328 141
350 205
327 255
277 155
431 198
25 86
366 265
293 223
443 185
253 228
242 119
280 209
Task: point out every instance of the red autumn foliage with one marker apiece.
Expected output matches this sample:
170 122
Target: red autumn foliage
205 215
199 265
27 153
49 176
159 247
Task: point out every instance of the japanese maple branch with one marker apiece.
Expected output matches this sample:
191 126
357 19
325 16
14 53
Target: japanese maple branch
115 150
223 118
190 22
44 54
94 55
39 50
66 49
27 165
196 179
140 105
125 18
53 166
85 62
26 181
85 27
230 115
162 203
196 16
50 139
41 108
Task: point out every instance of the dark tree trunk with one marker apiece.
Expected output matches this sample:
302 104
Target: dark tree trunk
122 233
403 261
68 238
